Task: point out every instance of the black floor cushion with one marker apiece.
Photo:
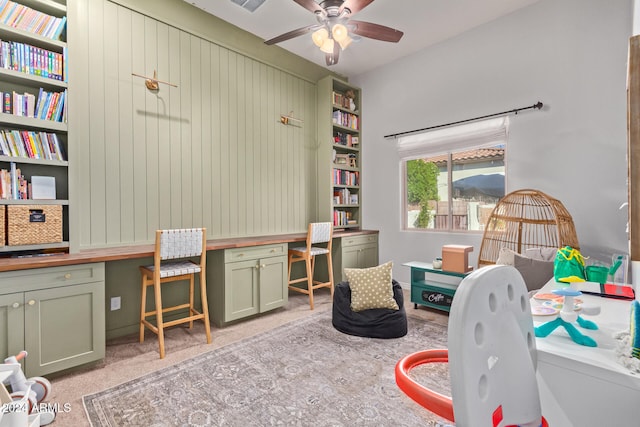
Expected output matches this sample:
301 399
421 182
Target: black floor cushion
373 323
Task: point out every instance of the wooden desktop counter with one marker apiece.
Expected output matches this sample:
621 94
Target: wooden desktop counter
143 251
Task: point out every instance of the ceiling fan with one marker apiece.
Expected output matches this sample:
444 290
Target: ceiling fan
333 31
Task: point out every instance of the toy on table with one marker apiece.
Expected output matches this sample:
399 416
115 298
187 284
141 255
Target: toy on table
32 390
569 268
568 316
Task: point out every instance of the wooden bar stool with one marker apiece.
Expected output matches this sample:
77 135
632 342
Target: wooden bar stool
318 232
175 245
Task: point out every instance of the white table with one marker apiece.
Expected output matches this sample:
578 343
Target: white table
586 386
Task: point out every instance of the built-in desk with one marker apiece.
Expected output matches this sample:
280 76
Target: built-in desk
58 306
586 386
118 253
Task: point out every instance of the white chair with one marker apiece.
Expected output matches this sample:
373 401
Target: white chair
492 355
317 233
175 245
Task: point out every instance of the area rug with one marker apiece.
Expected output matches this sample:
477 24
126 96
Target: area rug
303 373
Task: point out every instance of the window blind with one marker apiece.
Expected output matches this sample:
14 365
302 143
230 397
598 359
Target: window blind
441 141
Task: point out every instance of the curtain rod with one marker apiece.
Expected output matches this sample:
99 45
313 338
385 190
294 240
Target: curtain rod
538 105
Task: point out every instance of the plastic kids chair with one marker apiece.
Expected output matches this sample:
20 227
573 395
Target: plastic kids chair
492 355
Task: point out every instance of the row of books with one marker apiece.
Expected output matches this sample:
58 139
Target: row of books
346 119
13 185
346 139
343 101
46 106
24 18
344 197
342 218
345 177
31 60
31 144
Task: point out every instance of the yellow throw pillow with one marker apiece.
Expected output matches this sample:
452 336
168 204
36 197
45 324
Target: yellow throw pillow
371 287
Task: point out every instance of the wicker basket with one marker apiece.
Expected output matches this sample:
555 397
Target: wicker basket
526 219
34 224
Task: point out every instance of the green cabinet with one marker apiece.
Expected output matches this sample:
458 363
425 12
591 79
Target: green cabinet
359 251
433 287
245 281
56 314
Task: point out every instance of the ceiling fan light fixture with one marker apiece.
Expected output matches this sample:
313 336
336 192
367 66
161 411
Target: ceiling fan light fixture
327 46
345 42
339 32
320 36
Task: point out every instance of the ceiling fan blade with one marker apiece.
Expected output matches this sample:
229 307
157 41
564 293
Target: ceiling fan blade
310 5
292 34
332 58
375 31
355 6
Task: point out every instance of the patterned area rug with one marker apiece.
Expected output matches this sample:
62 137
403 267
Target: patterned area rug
304 373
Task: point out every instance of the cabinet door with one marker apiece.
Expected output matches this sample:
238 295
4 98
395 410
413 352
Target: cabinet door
274 291
64 327
241 297
349 258
11 324
368 256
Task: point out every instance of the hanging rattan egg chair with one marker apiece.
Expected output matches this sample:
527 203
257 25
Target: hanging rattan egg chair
526 219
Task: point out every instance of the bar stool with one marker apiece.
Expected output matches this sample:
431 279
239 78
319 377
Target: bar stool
175 245
318 232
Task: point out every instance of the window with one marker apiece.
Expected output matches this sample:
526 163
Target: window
453 177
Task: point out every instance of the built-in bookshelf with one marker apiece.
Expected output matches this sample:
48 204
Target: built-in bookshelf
33 115
339 153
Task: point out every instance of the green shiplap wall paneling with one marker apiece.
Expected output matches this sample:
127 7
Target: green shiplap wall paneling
210 152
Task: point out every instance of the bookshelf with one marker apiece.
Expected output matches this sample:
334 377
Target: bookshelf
339 153
33 122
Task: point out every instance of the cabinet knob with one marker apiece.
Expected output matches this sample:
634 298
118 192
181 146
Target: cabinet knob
263 266
67 276
257 266
32 302
15 305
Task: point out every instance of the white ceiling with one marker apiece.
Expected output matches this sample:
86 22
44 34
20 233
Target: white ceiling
424 23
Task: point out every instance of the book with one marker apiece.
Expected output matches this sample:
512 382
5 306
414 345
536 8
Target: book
6 105
58 31
7 10
31 104
44 142
3 145
59 107
14 181
43 187
60 151
15 15
51 106
49 28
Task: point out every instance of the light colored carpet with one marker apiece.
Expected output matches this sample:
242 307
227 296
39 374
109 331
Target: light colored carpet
127 359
